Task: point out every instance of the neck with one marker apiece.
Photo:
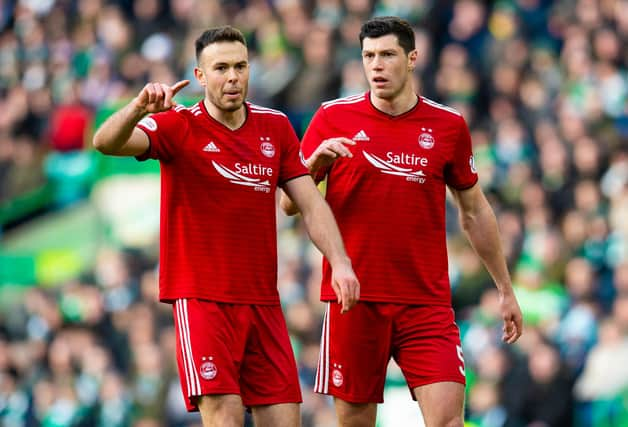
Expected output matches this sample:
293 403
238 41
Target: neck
403 102
231 119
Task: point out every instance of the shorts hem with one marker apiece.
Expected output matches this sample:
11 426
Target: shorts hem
352 399
434 381
193 407
273 401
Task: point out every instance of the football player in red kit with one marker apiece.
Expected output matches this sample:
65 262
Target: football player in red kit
221 163
388 156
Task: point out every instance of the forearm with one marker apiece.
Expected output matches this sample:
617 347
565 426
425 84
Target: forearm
324 233
116 131
482 231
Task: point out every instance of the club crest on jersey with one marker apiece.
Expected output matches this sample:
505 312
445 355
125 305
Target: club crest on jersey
426 140
267 148
149 123
208 370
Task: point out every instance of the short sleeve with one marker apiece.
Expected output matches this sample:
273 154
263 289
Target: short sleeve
460 173
165 131
292 165
315 134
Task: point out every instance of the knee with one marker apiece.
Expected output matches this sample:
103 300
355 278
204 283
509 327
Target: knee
456 421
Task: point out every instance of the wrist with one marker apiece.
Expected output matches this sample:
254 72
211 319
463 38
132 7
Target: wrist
339 261
137 109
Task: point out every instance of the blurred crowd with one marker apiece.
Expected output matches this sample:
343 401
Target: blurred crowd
544 88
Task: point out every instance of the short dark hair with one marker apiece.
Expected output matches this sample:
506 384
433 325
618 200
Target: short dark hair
384 25
226 33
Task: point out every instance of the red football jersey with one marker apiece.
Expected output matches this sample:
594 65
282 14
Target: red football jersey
389 199
218 223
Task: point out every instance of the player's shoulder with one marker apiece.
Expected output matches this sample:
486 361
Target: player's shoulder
265 112
178 115
440 109
182 112
345 103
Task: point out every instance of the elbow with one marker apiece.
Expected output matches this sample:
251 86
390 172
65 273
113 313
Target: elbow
99 143
289 209
288 206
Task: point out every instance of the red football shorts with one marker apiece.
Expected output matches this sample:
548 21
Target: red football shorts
356 347
234 349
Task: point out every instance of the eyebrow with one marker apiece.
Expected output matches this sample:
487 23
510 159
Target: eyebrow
379 51
217 64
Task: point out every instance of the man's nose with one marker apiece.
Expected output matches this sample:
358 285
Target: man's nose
377 63
232 74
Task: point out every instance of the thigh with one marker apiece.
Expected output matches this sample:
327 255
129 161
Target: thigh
426 345
441 403
281 415
210 344
224 410
354 354
268 375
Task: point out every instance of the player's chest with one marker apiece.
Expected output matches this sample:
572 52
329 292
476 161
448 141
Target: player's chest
416 153
244 161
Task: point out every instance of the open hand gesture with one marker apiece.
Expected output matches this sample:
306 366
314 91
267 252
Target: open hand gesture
327 153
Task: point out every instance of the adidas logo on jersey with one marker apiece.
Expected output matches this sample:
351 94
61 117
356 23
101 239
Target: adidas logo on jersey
361 136
211 147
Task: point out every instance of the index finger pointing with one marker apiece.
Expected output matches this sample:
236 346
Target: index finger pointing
178 86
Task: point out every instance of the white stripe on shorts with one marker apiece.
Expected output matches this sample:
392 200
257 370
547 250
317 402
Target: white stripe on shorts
191 376
322 372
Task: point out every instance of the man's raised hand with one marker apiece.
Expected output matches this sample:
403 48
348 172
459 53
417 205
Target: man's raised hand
327 153
157 97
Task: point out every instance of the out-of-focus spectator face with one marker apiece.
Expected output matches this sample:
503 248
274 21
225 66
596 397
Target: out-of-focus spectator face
149 286
533 197
148 360
586 157
146 10
142 325
88 9
353 80
588 13
424 50
95 360
113 29
533 94
112 387
553 158
60 357
294 20
469 16
587 196
579 279
620 278
358 7
300 319
620 313
574 229
606 45
501 108
223 70
609 332
492 364
386 65
317 48
483 397
543 364
506 80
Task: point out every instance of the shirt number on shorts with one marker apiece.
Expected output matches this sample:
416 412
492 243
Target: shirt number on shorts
461 367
